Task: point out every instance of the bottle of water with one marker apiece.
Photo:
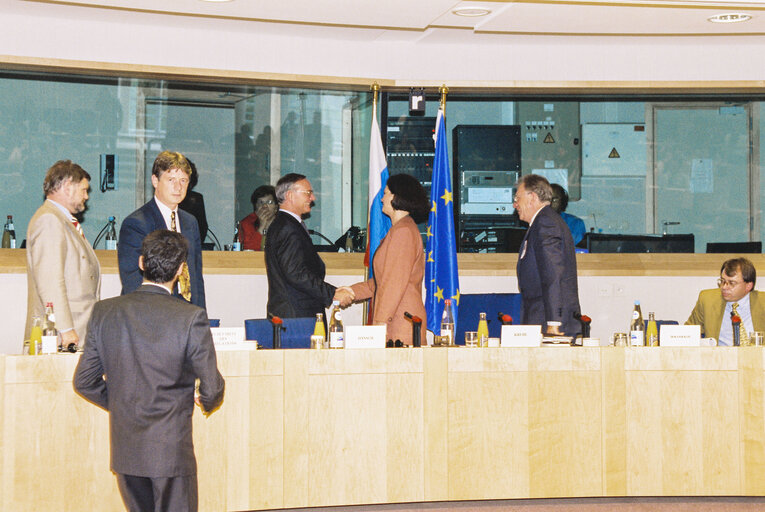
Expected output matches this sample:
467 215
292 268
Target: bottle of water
111 236
336 335
637 327
9 234
447 321
49 333
237 244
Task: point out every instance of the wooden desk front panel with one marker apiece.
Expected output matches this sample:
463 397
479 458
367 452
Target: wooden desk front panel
305 428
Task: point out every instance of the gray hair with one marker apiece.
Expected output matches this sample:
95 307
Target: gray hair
539 185
285 184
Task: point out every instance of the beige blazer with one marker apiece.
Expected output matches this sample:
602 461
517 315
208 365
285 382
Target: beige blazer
62 268
709 309
399 265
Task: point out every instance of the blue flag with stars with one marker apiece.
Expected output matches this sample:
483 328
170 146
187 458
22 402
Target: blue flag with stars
441 277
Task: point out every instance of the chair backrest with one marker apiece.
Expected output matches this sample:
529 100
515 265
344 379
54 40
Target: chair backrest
734 247
296 332
472 304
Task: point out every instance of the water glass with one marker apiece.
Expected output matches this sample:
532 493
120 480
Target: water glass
757 338
471 339
620 339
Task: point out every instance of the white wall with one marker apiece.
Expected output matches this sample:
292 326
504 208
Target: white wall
43 30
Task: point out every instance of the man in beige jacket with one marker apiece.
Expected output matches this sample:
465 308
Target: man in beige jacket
62 268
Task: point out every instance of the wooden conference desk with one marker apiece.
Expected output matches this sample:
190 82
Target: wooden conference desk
305 428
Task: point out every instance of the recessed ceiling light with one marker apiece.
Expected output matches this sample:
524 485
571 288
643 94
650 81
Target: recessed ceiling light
471 12
729 17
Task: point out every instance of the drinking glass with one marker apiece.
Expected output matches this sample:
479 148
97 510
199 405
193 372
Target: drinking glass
471 338
620 339
757 338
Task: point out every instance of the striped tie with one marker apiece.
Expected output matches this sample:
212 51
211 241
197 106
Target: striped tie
743 337
184 281
78 227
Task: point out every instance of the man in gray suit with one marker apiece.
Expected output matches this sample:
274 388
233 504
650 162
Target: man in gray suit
143 353
61 266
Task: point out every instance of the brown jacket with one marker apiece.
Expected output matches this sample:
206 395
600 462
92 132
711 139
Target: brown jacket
399 266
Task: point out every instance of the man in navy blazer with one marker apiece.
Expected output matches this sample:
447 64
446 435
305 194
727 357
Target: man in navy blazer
296 286
546 262
144 352
170 176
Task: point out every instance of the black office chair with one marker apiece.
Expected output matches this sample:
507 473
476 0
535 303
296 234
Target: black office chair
734 247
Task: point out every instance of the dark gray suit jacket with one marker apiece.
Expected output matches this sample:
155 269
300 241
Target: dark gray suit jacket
296 286
547 274
143 352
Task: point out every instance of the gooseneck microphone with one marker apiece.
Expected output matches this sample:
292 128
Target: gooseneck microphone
416 328
278 325
314 232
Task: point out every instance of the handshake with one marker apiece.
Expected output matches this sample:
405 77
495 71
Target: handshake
344 295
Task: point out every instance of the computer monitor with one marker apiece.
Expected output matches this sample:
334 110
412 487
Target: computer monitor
734 247
603 242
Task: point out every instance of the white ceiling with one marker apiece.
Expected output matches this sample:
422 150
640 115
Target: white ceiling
409 19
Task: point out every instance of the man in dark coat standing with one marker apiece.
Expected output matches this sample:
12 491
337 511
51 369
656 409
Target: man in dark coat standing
296 286
546 262
143 353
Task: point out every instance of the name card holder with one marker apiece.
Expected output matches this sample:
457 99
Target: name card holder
365 336
231 338
680 335
521 336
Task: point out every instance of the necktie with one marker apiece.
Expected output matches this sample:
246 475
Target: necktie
78 227
743 337
184 281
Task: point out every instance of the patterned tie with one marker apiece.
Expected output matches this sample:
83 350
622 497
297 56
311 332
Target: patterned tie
184 281
78 227
743 337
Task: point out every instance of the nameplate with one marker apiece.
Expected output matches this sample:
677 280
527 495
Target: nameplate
231 338
521 336
365 336
680 335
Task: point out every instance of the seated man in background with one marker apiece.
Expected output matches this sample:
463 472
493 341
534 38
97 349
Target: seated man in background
253 228
559 203
735 295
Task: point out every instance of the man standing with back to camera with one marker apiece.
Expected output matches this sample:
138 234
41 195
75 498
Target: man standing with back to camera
143 353
170 176
546 263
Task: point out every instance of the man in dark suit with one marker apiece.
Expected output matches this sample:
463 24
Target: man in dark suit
143 353
296 286
170 177
546 263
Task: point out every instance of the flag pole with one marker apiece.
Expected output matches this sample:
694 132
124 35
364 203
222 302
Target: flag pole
365 308
444 91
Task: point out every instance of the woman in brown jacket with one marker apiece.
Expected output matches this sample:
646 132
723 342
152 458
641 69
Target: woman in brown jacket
399 263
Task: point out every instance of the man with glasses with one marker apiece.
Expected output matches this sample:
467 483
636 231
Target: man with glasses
546 262
296 286
736 291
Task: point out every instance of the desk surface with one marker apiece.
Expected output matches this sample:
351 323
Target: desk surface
302 428
249 262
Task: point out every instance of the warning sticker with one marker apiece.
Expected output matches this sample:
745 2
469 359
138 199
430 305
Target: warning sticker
549 139
613 153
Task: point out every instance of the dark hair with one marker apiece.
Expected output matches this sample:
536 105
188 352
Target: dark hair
60 172
559 198
163 252
537 184
748 272
168 160
285 184
409 196
262 191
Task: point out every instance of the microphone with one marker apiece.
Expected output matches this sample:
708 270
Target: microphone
108 227
504 319
314 232
416 328
735 323
278 325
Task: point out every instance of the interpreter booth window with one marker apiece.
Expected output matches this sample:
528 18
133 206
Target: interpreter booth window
237 137
638 174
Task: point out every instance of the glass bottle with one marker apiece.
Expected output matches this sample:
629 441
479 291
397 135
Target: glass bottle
49 342
111 236
9 234
483 331
336 338
447 321
318 328
652 332
237 244
35 336
637 327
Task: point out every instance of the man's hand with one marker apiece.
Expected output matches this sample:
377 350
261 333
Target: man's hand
345 296
70 337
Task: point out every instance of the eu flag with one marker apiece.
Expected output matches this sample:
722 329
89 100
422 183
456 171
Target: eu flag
441 277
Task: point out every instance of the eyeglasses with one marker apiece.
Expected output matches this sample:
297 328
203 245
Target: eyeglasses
722 283
308 193
264 201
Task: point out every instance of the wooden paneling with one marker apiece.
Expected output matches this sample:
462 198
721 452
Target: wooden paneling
302 428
